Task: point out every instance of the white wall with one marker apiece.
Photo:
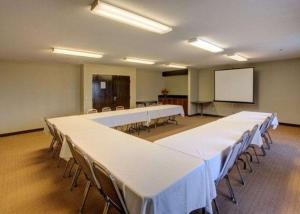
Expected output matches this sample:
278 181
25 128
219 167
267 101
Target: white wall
30 91
277 89
87 74
148 84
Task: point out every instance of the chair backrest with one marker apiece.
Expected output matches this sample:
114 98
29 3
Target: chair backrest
58 135
92 111
85 165
270 121
230 160
263 127
244 141
250 138
50 127
105 109
140 105
109 187
71 147
120 108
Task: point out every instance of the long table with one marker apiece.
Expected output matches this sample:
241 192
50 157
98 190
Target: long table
175 174
212 141
135 115
154 179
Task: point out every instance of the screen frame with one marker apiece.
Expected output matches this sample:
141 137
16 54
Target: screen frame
227 101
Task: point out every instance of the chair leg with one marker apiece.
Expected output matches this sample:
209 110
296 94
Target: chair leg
71 168
266 141
52 144
241 177
106 208
75 176
251 170
252 147
230 189
86 191
216 206
244 163
269 136
54 151
66 167
263 150
250 156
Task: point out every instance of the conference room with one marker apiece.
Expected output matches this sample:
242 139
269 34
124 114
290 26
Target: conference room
150 107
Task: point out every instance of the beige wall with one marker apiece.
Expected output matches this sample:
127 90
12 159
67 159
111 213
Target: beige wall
148 84
277 89
89 69
176 85
192 90
31 91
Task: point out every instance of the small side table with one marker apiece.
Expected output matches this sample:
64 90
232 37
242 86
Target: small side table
201 104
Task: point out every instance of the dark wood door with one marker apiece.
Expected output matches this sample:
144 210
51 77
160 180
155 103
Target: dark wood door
121 90
110 91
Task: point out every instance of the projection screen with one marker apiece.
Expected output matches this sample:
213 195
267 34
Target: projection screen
235 85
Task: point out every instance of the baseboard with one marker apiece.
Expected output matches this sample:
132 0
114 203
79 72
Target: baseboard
290 124
21 132
210 115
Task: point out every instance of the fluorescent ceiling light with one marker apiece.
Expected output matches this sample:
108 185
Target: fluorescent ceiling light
77 53
174 65
118 14
205 45
137 60
237 57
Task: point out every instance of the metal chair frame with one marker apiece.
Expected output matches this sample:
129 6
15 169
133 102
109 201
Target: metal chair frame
119 203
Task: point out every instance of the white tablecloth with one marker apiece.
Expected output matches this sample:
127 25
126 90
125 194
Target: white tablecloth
154 179
247 116
121 117
135 115
160 111
213 140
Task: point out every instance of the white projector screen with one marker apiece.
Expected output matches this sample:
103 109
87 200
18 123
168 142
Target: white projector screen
235 85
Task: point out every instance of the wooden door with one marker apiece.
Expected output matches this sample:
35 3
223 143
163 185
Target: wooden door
110 91
102 91
121 90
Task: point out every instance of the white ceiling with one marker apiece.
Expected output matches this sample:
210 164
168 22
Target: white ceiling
262 30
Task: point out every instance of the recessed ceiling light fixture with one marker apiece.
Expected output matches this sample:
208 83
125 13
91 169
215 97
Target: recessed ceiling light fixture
205 45
174 65
77 53
237 57
138 60
121 15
